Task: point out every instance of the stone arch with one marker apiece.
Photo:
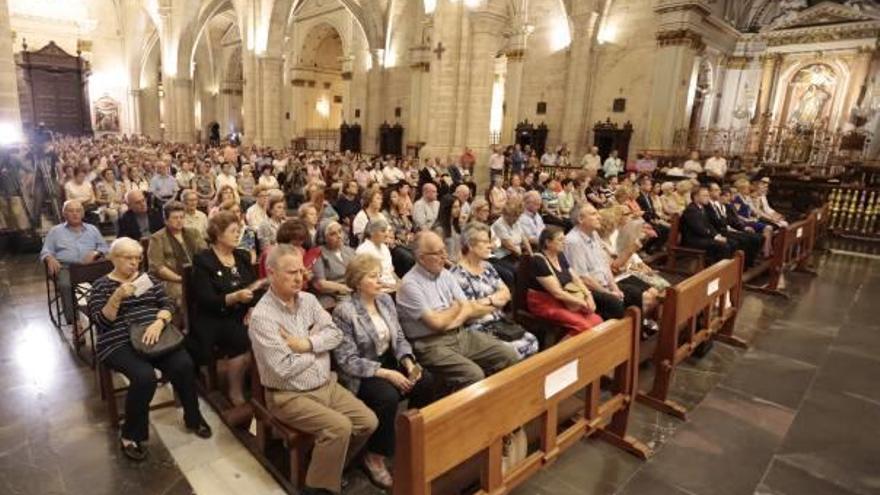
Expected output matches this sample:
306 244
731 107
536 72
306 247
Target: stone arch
283 12
317 39
193 32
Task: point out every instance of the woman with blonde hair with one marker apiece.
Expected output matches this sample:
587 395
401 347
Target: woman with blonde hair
623 249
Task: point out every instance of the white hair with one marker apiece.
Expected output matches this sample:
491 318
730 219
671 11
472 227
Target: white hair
125 244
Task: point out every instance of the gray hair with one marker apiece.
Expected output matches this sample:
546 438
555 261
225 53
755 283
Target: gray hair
375 226
279 251
470 231
131 193
125 244
328 225
187 193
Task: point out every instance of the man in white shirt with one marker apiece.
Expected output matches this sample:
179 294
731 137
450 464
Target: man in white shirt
692 167
496 164
716 166
549 158
427 207
613 165
256 214
391 173
592 160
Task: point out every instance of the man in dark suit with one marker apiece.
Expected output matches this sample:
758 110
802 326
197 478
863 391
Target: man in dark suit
139 222
731 226
698 232
650 215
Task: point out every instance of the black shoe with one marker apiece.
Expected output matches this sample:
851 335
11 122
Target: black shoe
703 349
133 450
201 431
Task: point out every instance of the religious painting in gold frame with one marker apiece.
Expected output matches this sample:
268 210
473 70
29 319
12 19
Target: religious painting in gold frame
810 97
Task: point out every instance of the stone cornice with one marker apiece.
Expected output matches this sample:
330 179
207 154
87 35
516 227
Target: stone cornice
821 34
670 6
681 37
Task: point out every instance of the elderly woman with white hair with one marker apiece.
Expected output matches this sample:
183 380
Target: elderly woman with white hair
329 269
124 299
375 242
480 281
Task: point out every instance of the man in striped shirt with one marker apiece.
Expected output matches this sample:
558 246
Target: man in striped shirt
292 337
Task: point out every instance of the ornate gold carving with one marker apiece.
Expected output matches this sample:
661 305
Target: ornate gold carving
84 45
737 62
515 54
699 8
422 66
822 36
681 37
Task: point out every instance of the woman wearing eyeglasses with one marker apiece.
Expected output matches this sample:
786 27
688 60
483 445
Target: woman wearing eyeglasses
223 285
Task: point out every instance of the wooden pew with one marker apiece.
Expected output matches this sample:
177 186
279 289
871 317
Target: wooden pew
698 309
473 421
674 249
792 249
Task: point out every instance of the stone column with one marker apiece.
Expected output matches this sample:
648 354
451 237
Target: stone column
375 93
516 55
769 67
134 111
10 112
485 29
674 66
858 81
347 99
420 91
182 108
250 102
577 82
271 82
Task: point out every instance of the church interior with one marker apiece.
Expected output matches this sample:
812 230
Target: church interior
580 266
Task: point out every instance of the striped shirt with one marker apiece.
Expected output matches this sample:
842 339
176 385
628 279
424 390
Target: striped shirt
132 311
281 368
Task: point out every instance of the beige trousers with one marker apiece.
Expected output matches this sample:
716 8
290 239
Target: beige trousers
340 423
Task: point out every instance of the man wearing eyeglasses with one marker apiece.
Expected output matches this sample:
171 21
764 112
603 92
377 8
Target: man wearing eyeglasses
433 309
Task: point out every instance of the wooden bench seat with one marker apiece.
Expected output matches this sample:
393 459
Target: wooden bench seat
674 249
792 250
702 307
473 422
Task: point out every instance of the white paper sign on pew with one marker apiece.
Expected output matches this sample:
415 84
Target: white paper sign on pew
562 377
799 233
713 287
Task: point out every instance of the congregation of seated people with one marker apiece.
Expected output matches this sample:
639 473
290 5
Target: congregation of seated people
355 283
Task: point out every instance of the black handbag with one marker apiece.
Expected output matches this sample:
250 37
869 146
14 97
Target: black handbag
505 330
169 340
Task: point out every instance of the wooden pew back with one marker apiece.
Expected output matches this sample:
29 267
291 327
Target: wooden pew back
434 440
674 249
695 310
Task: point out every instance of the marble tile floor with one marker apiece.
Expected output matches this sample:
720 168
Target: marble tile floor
791 415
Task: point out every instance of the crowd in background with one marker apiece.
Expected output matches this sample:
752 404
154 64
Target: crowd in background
397 274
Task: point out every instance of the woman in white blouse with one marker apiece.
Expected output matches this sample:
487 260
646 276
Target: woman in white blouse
375 243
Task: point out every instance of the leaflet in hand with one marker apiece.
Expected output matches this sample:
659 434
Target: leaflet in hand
142 284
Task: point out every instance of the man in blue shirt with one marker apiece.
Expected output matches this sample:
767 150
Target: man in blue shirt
163 186
530 221
71 242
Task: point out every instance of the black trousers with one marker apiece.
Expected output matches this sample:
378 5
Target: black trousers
383 398
715 251
749 242
608 305
177 366
658 243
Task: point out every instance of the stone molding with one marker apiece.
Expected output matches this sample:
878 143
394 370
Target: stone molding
515 54
737 62
824 34
697 6
681 37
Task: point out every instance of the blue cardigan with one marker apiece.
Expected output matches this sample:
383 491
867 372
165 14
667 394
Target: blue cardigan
357 355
